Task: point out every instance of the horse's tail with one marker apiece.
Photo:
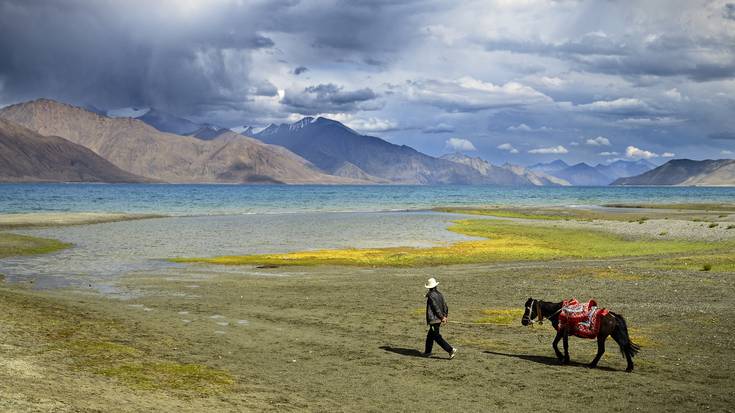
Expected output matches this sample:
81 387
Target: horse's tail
620 334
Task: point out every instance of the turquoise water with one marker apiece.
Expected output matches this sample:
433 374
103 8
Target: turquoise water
247 199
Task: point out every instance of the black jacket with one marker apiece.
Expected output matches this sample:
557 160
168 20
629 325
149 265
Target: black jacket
436 307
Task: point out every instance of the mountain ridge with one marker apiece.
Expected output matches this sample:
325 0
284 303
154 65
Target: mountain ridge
686 172
137 147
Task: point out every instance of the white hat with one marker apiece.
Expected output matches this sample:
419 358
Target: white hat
431 283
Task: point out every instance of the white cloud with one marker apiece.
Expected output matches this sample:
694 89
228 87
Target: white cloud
439 128
646 122
507 147
609 154
598 141
552 82
364 125
674 94
621 105
525 128
574 143
469 95
460 145
633 152
668 155
550 150
726 152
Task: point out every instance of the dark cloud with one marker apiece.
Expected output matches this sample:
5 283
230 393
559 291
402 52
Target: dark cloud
114 54
324 98
700 59
729 11
264 88
724 136
299 70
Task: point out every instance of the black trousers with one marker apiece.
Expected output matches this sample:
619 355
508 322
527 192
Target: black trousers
434 335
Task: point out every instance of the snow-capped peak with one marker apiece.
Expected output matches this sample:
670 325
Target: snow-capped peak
302 123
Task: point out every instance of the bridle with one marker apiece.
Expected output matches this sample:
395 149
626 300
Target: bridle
540 320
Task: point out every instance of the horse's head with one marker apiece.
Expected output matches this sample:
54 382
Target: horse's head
530 312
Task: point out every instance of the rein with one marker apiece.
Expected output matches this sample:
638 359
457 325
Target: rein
539 314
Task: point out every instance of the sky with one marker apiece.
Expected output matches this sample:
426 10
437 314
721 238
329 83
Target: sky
520 81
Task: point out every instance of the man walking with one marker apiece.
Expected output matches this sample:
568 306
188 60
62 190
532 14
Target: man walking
436 314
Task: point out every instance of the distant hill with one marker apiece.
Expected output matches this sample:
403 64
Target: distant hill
506 174
26 156
329 144
537 178
138 148
550 167
624 169
686 172
582 174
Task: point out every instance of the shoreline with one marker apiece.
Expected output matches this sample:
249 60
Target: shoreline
10 221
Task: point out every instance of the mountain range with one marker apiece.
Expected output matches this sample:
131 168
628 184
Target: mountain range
582 174
138 148
45 140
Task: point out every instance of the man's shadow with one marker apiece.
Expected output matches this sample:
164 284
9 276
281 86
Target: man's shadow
410 352
549 361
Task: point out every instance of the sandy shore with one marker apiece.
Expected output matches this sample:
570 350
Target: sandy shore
45 219
347 338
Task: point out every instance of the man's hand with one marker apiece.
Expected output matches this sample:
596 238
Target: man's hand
444 320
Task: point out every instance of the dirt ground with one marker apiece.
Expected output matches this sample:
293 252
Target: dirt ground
346 339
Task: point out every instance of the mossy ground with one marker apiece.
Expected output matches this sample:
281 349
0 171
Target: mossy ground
505 241
14 244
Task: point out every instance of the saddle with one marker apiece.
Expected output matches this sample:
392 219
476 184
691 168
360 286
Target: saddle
582 319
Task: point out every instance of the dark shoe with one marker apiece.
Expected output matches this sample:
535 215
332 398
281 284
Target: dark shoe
425 354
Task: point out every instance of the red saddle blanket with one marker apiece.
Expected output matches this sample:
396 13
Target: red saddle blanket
583 319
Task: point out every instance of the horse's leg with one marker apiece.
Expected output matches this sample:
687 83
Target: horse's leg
555 345
565 336
600 349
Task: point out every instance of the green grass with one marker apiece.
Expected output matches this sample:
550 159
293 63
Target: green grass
504 241
105 347
14 244
506 213
168 375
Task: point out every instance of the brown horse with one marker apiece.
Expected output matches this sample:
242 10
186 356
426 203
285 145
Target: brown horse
611 325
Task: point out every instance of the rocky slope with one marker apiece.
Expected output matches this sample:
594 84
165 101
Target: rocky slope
26 156
686 172
139 148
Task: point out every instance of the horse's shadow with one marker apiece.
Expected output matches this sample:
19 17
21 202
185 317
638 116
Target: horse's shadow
549 361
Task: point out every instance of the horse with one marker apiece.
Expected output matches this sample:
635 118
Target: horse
611 324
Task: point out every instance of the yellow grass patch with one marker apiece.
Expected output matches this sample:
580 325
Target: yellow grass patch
504 241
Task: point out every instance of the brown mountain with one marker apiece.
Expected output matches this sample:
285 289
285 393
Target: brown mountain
686 172
26 156
143 150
